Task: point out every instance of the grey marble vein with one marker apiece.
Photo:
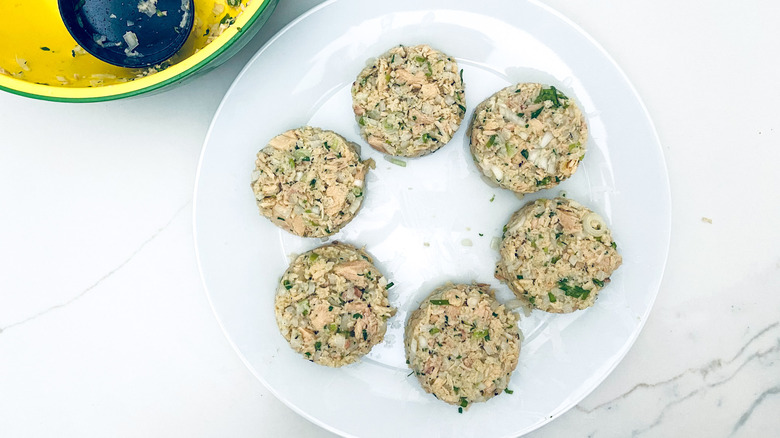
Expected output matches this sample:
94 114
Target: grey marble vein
745 416
104 277
714 374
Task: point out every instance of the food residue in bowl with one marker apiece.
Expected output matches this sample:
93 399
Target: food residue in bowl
53 58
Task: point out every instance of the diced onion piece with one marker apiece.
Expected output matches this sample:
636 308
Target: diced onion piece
546 139
495 242
497 172
466 242
594 225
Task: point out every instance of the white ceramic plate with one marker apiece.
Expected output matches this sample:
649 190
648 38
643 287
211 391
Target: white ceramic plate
415 219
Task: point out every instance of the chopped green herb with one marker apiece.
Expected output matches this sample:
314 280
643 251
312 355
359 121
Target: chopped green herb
317 345
555 259
460 410
392 59
598 282
574 146
464 402
614 245
313 182
532 300
333 327
551 296
551 94
330 308
226 19
462 108
491 200
361 122
365 335
389 285
434 330
536 113
491 140
543 182
307 354
480 234
46 49
425 137
287 285
456 389
419 59
234 3
572 291
508 391
281 219
440 302
519 277
461 75
357 315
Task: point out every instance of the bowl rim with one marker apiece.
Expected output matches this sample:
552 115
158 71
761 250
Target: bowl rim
158 80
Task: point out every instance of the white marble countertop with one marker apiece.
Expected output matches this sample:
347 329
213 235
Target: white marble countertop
105 329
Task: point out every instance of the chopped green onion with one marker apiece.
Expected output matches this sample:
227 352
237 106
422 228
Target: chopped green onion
45 49
555 259
361 122
536 113
395 161
287 284
330 308
389 285
519 277
317 345
357 315
481 334
598 282
491 141
572 291
551 296
491 200
440 302
333 327
614 245
434 330
464 402
419 59
365 335
524 153
456 389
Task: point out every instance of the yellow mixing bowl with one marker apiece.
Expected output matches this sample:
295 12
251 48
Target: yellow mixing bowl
39 58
